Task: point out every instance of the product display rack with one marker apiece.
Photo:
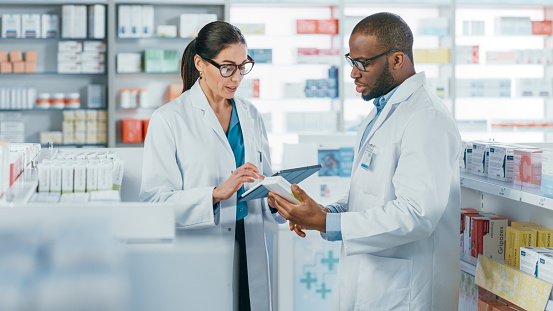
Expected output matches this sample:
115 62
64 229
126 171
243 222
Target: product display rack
348 110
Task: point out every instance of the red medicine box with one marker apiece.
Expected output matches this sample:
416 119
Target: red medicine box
306 26
542 28
131 131
145 124
327 26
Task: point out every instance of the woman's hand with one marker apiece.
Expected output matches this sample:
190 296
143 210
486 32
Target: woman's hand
245 173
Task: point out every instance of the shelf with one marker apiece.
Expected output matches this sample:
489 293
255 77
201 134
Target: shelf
120 144
155 38
52 73
142 73
23 188
80 145
506 190
179 2
468 264
136 108
55 39
50 109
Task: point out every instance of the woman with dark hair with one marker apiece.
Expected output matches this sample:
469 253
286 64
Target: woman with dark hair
203 150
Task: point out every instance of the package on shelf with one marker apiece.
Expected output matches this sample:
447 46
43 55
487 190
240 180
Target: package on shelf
49 26
12 131
534 87
167 31
438 26
70 46
55 137
440 86
465 161
11 26
249 88
16 56
474 28
16 165
317 56
543 28
68 21
518 237
544 236
261 56
97 21
529 257
545 266
93 57
129 62
153 60
434 56
131 131
500 57
94 46
293 90
124 17
547 173
466 226
501 162
327 26
527 169
509 26
69 57
96 96
488 237
6 67
467 232
30 25
147 22
80 22
171 61
480 157
93 67
467 54
190 24
258 29
18 67
17 98
483 87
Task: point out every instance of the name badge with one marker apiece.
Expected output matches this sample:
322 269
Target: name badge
367 157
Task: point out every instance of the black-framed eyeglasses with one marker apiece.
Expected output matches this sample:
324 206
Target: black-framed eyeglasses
361 64
227 70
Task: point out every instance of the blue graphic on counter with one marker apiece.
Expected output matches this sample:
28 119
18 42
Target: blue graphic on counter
315 271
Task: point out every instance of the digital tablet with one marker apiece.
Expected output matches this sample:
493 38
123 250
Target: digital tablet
292 175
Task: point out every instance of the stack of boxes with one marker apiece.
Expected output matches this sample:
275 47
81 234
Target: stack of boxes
85 127
81 57
483 87
162 61
16 63
323 87
261 56
74 21
17 98
483 233
433 56
133 130
316 56
29 25
12 131
317 26
136 21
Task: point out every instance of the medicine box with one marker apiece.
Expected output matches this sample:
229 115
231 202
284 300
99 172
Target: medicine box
480 158
465 161
136 21
129 62
468 231
488 237
544 236
501 162
282 187
30 25
148 21
80 22
527 168
11 26
49 26
543 28
529 257
97 21
68 21
468 54
547 173
518 237
70 46
94 46
124 19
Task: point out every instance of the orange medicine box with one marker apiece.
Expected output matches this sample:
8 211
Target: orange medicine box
31 56
542 28
5 67
487 304
145 124
131 131
488 237
306 26
327 26
3 56
18 67
518 237
30 67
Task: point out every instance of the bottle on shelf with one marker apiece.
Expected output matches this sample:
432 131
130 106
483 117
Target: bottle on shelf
44 101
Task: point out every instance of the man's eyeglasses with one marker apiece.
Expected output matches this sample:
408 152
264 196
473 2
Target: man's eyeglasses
361 64
228 70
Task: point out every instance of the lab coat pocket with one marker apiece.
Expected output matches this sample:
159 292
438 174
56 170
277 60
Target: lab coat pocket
372 173
384 283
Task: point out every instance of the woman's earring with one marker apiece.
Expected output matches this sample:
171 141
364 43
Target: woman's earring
201 75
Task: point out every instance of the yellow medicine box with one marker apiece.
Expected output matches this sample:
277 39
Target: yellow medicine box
518 237
544 236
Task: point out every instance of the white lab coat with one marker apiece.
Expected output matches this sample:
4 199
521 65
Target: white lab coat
400 219
186 155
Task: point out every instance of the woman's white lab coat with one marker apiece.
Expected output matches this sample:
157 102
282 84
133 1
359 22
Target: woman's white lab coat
400 220
186 155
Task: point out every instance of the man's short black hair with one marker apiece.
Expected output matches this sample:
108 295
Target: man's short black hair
390 30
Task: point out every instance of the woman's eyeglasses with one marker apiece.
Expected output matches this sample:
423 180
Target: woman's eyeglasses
228 70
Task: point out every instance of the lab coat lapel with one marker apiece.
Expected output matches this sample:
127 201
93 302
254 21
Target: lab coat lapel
246 123
199 101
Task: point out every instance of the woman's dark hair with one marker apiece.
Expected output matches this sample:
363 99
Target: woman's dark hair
211 40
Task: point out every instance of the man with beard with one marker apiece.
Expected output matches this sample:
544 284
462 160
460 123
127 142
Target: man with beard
399 221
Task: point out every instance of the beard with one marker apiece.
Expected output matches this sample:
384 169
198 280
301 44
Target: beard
384 83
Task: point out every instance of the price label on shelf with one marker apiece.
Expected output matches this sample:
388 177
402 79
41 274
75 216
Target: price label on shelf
541 202
501 191
509 283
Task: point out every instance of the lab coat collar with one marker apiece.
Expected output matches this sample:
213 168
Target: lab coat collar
402 93
199 101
